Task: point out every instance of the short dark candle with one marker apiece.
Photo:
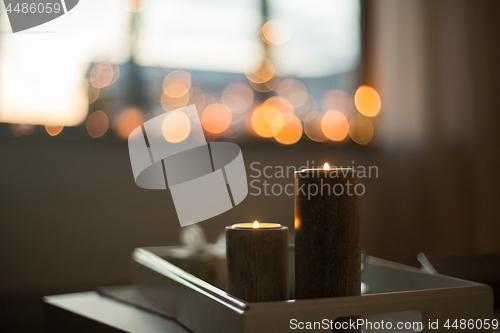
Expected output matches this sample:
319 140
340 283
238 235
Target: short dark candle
327 246
257 262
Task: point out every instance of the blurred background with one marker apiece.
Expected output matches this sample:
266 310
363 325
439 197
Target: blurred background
408 86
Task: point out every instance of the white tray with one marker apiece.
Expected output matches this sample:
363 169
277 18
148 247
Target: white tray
395 293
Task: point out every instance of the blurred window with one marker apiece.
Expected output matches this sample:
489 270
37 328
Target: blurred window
102 68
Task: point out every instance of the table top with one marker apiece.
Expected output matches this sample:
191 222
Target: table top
92 312
80 311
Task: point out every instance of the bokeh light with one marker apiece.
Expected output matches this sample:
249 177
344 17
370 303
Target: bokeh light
263 73
176 127
202 100
280 103
338 100
216 118
177 83
170 103
127 121
271 113
276 32
135 6
312 126
302 111
260 125
238 97
22 129
361 129
367 101
335 125
97 124
287 129
93 93
294 91
54 130
103 75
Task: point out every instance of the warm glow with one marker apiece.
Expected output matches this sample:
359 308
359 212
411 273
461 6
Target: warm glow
276 32
135 6
269 118
216 118
338 100
256 225
309 106
259 123
176 126
171 103
53 130
312 126
21 129
201 101
263 73
360 129
294 91
97 124
367 101
103 75
326 166
279 103
287 129
127 121
238 97
93 94
177 83
335 125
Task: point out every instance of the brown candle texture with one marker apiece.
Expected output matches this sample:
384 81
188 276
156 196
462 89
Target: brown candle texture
257 263
327 246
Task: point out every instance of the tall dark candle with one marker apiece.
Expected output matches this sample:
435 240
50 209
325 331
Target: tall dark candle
327 247
257 262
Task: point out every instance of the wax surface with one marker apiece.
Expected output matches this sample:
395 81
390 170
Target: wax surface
261 226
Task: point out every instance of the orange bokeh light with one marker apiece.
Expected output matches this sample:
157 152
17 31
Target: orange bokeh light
103 75
54 130
276 32
335 125
367 101
176 127
135 6
216 118
93 94
177 83
312 126
170 103
238 97
294 91
338 100
287 129
361 129
97 124
271 113
127 121
259 123
263 73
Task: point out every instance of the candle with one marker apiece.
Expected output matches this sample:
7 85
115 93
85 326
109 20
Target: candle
257 261
327 247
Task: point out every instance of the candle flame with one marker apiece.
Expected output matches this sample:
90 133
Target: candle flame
256 225
326 166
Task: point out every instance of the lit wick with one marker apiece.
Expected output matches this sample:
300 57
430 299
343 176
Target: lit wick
256 225
326 166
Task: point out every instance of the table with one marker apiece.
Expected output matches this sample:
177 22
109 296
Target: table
92 312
